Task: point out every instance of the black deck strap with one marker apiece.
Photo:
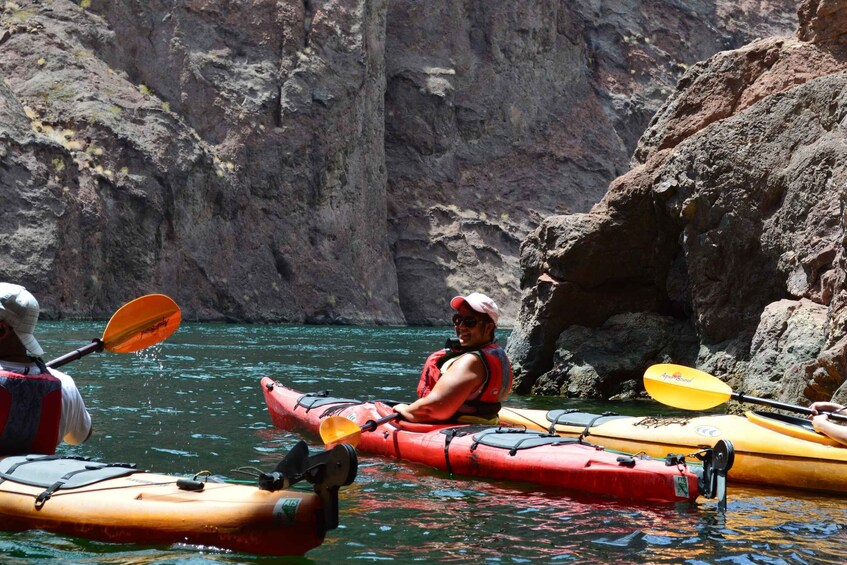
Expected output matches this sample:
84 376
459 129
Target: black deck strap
312 400
54 472
449 434
91 466
45 495
458 431
598 418
574 417
516 439
554 417
7 474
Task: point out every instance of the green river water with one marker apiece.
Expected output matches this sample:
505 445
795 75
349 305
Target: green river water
194 403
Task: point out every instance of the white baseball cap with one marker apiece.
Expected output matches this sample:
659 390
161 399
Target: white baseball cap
20 309
478 302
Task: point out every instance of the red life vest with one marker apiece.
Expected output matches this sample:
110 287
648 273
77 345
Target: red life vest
495 388
30 413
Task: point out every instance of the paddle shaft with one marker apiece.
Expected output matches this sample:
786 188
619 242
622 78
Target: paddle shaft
95 345
371 425
741 397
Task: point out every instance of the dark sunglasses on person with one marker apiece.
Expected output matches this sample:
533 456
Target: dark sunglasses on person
468 321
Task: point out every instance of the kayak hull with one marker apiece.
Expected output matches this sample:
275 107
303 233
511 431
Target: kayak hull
117 503
150 509
764 453
463 450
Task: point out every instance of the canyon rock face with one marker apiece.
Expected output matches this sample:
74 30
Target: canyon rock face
729 228
499 114
337 161
229 154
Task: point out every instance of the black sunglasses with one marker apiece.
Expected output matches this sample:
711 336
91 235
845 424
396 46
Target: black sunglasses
469 321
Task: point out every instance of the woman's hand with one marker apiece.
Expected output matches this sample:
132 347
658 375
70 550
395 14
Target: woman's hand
403 410
820 422
821 407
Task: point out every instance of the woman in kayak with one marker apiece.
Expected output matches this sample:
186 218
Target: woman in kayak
822 423
39 407
466 381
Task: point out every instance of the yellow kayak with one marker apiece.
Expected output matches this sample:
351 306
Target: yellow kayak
119 503
770 449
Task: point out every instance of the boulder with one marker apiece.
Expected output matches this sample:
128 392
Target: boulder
730 221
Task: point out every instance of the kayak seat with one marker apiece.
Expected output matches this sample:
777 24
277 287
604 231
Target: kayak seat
55 472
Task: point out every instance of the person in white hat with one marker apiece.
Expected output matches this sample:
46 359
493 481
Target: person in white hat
466 381
46 407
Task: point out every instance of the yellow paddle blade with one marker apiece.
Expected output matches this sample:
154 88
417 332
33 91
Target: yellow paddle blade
141 323
338 429
684 387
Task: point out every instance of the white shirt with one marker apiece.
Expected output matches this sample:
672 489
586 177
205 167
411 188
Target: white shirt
75 423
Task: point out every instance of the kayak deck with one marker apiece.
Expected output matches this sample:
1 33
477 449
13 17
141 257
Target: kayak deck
763 454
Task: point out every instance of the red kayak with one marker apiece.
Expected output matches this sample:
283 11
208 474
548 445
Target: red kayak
497 452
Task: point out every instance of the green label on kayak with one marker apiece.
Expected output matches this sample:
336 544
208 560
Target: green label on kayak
680 486
285 509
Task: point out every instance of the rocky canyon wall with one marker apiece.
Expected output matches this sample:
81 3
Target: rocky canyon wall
337 161
229 154
723 247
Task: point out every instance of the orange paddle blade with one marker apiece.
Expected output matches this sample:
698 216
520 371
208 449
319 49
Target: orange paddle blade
684 387
141 323
338 429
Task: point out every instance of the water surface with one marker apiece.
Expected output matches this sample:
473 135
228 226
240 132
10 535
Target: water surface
194 404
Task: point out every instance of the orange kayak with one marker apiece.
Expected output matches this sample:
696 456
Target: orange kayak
770 449
118 503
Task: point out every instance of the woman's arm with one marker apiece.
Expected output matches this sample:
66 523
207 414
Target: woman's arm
823 425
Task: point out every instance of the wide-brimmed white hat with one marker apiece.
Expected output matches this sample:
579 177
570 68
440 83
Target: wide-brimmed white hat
19 309
478 302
